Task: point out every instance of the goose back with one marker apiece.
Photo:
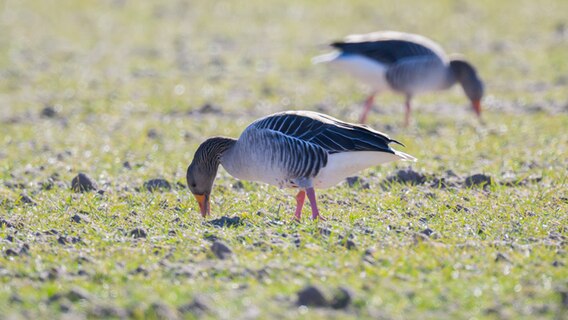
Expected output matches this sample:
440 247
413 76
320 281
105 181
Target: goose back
390 47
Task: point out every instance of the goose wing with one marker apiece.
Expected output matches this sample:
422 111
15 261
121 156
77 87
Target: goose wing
328 133
390 47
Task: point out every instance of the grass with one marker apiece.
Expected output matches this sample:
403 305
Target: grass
127 80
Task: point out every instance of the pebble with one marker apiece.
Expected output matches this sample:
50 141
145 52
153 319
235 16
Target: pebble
157 185
221 250
82 183
137 233
311 296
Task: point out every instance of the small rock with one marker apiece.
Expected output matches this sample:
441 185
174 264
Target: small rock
221 250
77 218
370 252
152 134
137 233
428 232
226 222
407 176
53 273
564 299
197 307
451 174
209 108
311 296
419 237
54 297
238 185
478 180
48 112
126 165
6 223
76 240
163 311
361 182
11 253
82 183
442 183
76 294
210 237
297 240
107 311
157 185
502 257
25 249
324 232
65 306
14 185
342 299
557 264
350 244
15 298
26 199
140 270
62 240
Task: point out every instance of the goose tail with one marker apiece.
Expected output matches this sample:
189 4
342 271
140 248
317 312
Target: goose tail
325 58
404 156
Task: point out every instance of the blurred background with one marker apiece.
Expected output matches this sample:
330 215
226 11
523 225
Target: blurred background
111 71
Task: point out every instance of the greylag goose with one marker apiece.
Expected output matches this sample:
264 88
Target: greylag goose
296 149
404 63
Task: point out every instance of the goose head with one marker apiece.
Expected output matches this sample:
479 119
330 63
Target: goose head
472 85
200 180
202 171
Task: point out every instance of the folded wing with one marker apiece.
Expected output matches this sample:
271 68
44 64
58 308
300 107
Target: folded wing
331 134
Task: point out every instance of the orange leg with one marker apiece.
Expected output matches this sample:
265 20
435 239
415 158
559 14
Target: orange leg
300 197
312 196
368 105
407 111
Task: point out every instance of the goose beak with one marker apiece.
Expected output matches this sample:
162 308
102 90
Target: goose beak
203 200
476 105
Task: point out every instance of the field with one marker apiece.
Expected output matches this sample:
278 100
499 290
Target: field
125 91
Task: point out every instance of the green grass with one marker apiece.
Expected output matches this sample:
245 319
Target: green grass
115 71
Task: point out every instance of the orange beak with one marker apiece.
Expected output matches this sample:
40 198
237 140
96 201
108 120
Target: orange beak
203 200
476 104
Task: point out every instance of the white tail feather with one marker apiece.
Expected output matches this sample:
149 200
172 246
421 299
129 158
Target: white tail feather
404 156
324 58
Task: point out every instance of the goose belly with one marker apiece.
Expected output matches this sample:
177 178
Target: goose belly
367 70
342 165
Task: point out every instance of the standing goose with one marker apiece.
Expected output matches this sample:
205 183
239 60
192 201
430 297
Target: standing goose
404 63
294 149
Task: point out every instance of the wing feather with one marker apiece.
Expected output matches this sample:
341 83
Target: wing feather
390 47
328 133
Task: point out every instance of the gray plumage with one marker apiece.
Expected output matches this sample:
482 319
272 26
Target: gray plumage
292 149
289 149
404 63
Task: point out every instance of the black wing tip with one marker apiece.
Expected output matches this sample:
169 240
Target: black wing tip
397 142
337 44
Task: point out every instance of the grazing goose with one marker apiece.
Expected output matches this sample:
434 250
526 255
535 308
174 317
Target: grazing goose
404 63
294 149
